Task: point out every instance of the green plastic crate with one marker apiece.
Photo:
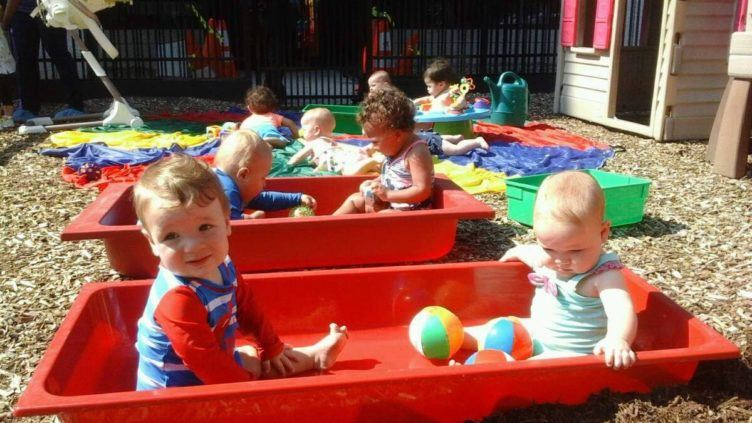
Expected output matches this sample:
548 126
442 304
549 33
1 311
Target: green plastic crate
625 196
344 115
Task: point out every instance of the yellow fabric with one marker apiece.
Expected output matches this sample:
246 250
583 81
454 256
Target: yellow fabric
472 179
127 139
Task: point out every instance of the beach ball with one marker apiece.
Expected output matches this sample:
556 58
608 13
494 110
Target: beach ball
509 335
91 171
489 356
301 211
436 333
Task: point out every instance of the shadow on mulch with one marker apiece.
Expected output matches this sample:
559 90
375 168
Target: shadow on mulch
715 384
650 226
17 145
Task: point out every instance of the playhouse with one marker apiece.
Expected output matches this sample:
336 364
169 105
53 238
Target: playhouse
657 68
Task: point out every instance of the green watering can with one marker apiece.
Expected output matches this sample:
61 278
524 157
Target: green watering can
508 100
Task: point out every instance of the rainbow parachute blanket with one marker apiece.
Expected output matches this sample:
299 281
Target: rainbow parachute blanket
120 154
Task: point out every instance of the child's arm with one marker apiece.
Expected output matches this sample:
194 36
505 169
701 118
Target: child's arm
275 200
422 100
303 153
530 254
421 168
252 321
183 318
622 321
292 126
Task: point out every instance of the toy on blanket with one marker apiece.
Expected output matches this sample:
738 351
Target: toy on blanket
216 131
436 333
91 171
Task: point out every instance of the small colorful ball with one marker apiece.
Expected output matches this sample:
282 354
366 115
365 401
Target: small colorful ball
489 356
91 171
436 333
509 335
301 211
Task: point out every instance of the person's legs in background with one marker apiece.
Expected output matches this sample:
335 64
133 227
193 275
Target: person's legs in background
55 43
24 33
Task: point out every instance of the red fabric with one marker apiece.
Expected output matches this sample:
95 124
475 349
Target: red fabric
534 134
183 317
112 174
202 117
568 22
604 13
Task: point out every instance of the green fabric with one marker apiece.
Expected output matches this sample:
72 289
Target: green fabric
162 126
281 168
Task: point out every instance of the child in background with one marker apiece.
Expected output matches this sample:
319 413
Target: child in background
7 80
242 163
406 181
439 76
581 304
379 79
186 335
262 103
327 154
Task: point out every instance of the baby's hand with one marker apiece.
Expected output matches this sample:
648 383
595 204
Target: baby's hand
258 214
309 201
512 254
281 363
379 191
617 353
366 185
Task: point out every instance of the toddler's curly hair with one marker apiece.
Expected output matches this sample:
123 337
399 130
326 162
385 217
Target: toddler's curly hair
388 108
441 71
261 100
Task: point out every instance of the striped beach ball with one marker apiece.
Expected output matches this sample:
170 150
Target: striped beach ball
509 335
489 356
436 333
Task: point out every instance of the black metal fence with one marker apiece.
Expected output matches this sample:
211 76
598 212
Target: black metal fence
312 51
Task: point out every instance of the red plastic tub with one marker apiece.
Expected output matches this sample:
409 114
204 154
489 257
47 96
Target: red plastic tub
281 242
88 371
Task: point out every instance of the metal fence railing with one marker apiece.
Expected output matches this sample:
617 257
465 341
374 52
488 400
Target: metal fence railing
312 51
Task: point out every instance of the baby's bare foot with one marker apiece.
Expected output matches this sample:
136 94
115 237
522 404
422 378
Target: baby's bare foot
483 143
327 349
454 363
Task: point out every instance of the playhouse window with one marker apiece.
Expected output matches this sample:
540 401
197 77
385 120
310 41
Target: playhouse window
586 20
586 23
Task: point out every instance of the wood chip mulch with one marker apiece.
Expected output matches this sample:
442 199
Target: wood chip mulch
695 244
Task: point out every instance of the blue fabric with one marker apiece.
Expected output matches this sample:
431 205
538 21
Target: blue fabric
518 159
102 155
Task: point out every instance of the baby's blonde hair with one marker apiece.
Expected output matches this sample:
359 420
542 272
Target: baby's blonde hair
569 197
322 117
380 76
179 180
239 149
